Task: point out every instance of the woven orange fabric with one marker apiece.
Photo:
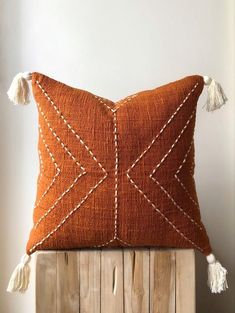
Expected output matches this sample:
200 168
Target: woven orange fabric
117 174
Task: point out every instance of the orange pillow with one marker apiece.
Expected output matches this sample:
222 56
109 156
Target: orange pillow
116 174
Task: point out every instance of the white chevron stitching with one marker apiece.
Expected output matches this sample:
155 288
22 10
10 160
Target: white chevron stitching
72 157
141 156
41 165
113 111
91 154
179 180
70 127
68 215
161 162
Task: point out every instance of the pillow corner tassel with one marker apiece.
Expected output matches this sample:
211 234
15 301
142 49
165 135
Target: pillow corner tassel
19 279
18 92
217 281
216 97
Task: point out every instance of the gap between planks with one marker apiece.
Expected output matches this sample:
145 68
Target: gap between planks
115 281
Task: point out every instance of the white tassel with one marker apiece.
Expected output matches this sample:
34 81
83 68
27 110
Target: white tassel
19 280
19 89
215 94
217 281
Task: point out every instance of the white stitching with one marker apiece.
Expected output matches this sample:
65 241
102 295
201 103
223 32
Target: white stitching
58 171
173 145
72 157
104 244
58 199
41 166
122 102
116 174
166 219
90 152
69 214
116 178
101 100
59 140
179 169
143 153
126 243
125 100
111 240
70 127
96 185
160 163
163 128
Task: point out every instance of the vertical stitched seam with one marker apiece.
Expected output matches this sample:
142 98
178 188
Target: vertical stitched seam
116 175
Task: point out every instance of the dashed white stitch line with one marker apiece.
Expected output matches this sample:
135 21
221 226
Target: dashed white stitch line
58 171
104 244
87 148
104 103
143 153
110 241
68 215
163 216
125 243
163 128
59 199
122 102
101 100
41 166
161 162
125 100
116 174
72 157
173 145
70 127
178 171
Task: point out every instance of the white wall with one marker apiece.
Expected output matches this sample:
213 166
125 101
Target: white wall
115 48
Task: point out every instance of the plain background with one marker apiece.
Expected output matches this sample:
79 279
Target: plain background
116 48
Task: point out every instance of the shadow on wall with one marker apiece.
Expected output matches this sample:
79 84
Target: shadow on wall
12 175
16 197
205 300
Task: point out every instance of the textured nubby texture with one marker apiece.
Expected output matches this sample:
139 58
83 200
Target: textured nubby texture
117 174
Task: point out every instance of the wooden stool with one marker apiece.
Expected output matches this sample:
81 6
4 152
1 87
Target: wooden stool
120 281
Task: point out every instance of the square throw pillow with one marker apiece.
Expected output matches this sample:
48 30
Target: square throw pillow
117 174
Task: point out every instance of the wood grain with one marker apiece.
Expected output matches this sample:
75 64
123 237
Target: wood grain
136 281
67 282
115 281
162 281
90 263
112 281
46 281
185 281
